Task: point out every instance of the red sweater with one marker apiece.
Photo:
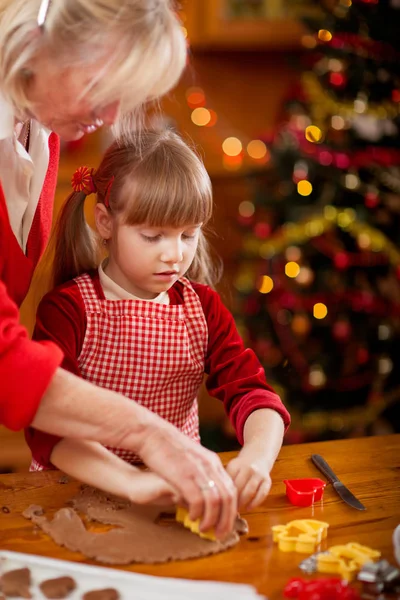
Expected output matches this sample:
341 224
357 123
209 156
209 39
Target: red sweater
26 367
235 375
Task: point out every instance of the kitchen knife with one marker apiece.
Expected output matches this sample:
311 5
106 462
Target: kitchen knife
338 486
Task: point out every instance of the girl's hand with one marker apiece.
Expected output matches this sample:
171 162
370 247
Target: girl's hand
252 481
149 488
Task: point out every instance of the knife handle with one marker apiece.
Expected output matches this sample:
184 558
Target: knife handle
323 466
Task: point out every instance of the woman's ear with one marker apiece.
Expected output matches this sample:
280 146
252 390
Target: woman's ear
103 220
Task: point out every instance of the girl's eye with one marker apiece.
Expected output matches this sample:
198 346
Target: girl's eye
186 236
151 238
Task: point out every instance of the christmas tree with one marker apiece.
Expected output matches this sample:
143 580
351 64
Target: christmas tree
319 273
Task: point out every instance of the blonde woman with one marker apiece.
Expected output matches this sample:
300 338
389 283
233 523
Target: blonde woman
68 67
146 322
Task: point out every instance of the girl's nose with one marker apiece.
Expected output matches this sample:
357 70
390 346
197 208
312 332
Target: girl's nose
173 253
109 113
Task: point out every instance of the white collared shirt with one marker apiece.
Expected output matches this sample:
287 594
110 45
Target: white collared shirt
22 174
113 291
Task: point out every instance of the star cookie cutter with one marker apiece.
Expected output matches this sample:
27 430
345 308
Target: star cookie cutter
301 535
344 560
182 516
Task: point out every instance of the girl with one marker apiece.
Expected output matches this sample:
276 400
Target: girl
146 322
68 67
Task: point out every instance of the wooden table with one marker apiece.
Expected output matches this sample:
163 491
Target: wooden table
370 467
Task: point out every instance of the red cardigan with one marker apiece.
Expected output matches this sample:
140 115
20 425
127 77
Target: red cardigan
235 376
26 367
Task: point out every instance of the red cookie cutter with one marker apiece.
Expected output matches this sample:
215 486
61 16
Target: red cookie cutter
320 589
304 492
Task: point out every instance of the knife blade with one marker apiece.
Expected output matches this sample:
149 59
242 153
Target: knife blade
344 493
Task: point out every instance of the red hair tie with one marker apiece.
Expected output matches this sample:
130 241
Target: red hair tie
108 192
82 181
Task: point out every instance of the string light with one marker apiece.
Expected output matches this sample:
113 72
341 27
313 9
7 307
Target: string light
257 149
293 253
266 285
213 118
195 97
201 116
232 146
304 188
324 35
320 310
313 134
292 269
308 41
246 208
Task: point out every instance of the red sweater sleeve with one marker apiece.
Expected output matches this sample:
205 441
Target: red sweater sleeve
26 367
235 375
61 319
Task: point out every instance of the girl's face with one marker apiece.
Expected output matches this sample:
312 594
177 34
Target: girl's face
146 261
57 102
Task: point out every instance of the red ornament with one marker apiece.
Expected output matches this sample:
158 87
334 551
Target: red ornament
371 199
341 261
396 95
337 79
362 356
262 230
341 330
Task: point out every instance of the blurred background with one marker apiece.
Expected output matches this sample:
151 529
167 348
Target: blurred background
295 109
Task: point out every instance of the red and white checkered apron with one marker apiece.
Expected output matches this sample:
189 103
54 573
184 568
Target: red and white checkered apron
152 353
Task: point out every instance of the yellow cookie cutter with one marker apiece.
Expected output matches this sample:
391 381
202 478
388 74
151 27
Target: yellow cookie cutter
346 559
182 516
301 535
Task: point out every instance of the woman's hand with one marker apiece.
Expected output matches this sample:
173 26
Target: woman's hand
197 474
252 481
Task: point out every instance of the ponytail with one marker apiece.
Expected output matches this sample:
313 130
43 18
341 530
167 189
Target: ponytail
76 245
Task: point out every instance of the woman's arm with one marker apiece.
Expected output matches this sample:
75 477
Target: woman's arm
94 464
73 407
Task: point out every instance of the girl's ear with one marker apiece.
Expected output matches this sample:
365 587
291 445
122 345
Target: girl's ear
103 220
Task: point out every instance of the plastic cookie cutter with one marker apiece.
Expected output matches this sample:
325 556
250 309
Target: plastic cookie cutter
324 588
345 560
301 535
182 516
304 492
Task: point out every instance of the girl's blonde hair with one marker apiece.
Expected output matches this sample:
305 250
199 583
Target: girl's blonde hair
140 42
154 178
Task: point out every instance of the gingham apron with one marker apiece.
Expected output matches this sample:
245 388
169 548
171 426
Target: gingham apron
152 353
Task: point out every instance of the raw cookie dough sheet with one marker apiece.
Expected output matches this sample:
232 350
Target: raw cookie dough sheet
131 586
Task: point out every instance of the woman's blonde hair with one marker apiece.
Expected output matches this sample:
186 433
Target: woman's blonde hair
140 42
154 178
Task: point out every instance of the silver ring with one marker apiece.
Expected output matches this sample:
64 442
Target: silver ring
208 486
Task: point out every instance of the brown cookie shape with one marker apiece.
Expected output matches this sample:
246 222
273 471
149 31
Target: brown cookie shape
106 594
139 535
16 583
60 587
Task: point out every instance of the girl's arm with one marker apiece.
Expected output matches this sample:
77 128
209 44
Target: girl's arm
257 413
94 464
250 471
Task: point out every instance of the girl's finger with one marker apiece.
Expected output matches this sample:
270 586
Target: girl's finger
261 494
